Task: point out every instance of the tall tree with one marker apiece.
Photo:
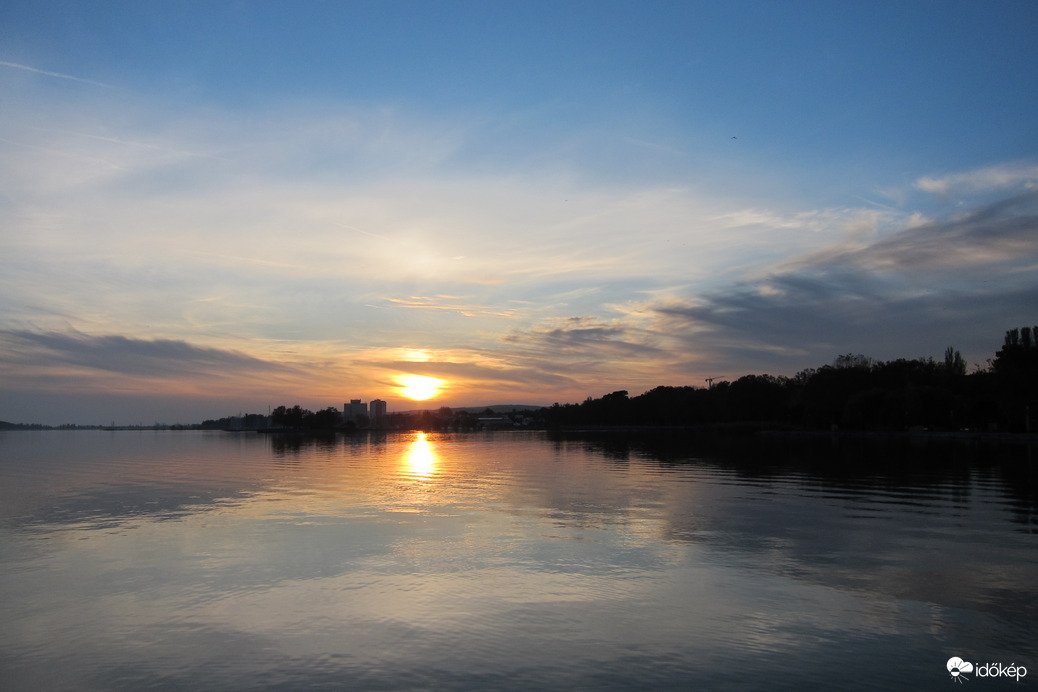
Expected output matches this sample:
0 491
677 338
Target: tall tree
954 364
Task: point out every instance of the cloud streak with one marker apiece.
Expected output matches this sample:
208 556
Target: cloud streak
57 75
1003 231
122 355
950 282
990 178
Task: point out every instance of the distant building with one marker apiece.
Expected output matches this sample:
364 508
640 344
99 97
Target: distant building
377 412
352 412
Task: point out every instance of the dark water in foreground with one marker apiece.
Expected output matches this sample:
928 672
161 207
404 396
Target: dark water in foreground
220 561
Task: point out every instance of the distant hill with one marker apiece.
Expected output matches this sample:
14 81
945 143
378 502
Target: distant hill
499 408
496 408
4 425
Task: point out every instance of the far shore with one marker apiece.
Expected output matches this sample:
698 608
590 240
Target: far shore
745 430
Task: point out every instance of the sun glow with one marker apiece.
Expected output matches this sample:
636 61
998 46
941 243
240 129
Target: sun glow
419 387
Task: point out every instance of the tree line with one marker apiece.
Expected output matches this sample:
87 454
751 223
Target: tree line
853 392
281 418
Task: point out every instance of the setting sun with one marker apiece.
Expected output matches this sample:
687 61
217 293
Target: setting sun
419 387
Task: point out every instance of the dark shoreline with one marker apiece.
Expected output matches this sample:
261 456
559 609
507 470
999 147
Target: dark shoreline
748 430
752 430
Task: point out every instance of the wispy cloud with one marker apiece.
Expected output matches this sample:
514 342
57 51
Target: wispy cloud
126 355
598 354
456 304
57 75
585 338
952 281
1002 231
1001 177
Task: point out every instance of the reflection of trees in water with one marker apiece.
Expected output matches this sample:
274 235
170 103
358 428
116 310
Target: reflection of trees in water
295 444
865 514
863 463
285 445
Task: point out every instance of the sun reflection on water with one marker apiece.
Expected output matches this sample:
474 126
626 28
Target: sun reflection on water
421 459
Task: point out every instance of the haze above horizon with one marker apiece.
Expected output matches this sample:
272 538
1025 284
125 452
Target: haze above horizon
214 207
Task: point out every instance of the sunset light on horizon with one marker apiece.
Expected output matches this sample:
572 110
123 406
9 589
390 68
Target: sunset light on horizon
418 387
210 208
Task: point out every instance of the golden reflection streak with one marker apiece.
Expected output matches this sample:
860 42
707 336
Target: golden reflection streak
421 459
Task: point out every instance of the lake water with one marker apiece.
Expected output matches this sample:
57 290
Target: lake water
223 561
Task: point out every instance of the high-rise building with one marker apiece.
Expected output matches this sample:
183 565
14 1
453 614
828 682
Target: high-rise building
352 411
377 412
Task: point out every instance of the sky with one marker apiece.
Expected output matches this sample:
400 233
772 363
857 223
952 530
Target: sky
209 208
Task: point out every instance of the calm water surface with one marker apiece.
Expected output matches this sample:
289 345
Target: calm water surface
222 561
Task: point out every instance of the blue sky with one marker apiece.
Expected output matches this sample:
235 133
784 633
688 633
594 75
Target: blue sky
213 207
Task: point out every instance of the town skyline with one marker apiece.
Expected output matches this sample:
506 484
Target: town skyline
210 208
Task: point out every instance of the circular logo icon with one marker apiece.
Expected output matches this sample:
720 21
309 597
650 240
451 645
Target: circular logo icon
956 666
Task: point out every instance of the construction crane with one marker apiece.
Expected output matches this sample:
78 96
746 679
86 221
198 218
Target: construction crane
710 381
